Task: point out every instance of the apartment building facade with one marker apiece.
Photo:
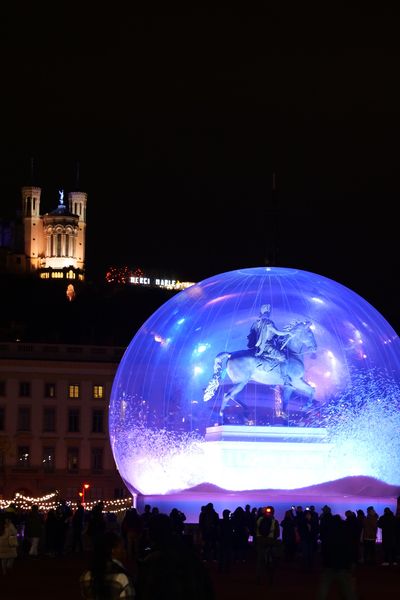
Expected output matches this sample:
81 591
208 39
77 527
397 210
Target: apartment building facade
54 420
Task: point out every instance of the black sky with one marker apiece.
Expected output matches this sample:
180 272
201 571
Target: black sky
178 123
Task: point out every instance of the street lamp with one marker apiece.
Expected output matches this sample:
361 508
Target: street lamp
85 487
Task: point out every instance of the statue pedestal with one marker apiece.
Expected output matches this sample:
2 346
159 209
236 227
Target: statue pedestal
248 458
226 433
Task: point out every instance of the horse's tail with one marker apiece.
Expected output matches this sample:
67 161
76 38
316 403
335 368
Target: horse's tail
213 384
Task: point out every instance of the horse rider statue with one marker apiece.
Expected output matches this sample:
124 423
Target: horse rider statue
263 338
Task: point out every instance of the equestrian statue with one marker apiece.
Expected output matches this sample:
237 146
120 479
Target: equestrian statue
273 357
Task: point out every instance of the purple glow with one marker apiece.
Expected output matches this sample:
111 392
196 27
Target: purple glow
159 420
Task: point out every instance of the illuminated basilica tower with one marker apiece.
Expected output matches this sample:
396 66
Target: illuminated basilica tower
77 205
54 243
32 226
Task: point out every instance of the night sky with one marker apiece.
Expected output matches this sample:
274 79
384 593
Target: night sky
178 124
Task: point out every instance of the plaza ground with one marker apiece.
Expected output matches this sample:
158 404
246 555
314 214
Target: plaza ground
47 578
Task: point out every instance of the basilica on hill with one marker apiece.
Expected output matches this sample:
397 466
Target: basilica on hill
56 373
50 245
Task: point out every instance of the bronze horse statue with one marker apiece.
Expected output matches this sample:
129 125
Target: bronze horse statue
243 366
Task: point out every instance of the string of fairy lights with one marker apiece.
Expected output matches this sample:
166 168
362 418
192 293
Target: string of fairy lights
52 500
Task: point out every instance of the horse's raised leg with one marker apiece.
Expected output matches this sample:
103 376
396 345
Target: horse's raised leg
230 396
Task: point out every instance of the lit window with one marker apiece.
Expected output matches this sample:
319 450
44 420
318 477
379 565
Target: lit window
73 390
98 391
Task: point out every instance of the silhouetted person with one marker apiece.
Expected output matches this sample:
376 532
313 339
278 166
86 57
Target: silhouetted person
387 522
288 526
34 527
97 524
77 523
337 561
50 533
208 525
308 531
360 520
267 532
8 551
240 534
171 569
353 531
325 520
178 519
397 515
369 535
107 577
225 542
132 528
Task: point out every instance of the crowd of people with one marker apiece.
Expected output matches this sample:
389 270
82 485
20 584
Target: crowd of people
141 555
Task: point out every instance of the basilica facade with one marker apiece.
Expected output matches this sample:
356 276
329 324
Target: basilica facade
51 245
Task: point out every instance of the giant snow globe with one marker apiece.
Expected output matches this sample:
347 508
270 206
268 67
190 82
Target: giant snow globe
258 364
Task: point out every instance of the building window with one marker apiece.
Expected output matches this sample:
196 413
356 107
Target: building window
49 390
48 459
97 459
98 392
24 389
97 421
2 388
73 420
73 390
23 457
2 418
24 418
49 419
73 460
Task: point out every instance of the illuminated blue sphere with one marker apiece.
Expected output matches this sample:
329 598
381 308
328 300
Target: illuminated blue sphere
203 396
